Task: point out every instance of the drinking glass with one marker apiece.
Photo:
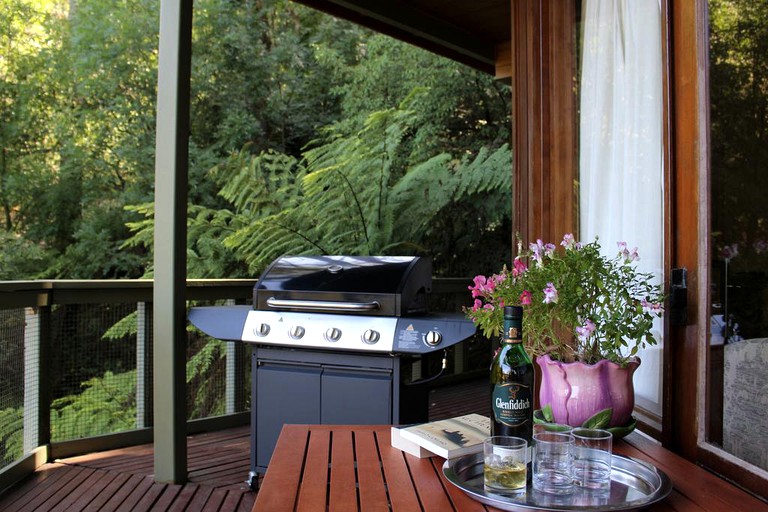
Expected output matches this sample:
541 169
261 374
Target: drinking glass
505 468
592 458
553 462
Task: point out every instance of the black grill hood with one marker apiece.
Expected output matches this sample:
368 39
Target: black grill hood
366 285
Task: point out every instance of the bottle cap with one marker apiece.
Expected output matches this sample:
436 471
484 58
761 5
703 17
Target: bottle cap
513 311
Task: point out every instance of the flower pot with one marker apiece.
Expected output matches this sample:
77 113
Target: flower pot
577 391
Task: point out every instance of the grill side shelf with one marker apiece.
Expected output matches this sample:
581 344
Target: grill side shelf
221 322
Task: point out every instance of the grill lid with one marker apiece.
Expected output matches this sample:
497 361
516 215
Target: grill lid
370 285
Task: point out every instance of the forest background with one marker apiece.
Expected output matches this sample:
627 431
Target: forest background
309 135
288 104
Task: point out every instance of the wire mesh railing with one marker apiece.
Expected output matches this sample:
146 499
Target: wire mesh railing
76 359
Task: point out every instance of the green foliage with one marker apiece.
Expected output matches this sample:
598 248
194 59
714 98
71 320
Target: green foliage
107 404
578 304
204 368
11 435
739 129
354 193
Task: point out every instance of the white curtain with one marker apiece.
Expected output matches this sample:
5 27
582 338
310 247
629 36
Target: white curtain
621 185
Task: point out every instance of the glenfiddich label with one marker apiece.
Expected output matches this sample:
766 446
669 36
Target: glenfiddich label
512 404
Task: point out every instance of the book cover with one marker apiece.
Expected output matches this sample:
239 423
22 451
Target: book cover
408 446
447 438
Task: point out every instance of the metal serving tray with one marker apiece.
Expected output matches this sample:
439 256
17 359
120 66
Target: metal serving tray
634 485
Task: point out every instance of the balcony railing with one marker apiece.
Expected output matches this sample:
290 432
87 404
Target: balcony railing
76 358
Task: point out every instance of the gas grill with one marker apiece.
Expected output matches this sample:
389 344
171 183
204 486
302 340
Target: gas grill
334 339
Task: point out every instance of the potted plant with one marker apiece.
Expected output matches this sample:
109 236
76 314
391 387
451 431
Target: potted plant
585 317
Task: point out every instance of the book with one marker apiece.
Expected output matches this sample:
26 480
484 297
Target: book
446 438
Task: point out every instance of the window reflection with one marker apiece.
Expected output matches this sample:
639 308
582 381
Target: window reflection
738 354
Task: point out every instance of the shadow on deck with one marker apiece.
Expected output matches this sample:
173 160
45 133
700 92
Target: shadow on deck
218 463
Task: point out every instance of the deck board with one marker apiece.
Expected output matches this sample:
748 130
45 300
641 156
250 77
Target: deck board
218 465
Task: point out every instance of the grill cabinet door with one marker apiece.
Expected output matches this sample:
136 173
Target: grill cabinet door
286 393
356 397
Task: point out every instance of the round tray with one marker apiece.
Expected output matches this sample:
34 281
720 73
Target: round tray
634 485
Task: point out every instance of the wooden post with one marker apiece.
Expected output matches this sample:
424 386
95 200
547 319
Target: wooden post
171 170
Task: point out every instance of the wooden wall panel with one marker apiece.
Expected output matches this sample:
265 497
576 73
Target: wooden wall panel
544 118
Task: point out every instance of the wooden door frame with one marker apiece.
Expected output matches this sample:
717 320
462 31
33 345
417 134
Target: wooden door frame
546 173
688 404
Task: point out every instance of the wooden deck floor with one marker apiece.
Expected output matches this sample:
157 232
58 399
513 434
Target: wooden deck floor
218 463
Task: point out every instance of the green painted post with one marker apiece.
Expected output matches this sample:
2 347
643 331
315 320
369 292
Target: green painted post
37 390
171 169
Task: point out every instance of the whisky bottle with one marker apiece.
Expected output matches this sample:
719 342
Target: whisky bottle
512 381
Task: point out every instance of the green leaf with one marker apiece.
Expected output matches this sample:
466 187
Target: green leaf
599 420
619 432
547 412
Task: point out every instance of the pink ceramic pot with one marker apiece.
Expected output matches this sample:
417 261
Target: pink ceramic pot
577 391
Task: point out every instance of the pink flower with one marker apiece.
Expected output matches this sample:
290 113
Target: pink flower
586 330
478 304
550 294
525 298
518 267
483 286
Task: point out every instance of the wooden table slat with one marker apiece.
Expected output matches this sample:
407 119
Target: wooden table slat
373 493
343 491
281 483
431 492
458 497
402 493
314 486
413 484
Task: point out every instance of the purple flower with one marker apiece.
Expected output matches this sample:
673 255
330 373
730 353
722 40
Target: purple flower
538 251
656 308
760 246
586 330
568 241
549 250
550 294
525 298
730 251
626 254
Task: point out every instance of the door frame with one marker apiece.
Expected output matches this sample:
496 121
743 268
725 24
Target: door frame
546 173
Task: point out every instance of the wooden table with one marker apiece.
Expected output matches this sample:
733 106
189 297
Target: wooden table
351 468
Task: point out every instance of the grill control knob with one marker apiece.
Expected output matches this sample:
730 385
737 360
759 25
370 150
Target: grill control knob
433 338
333 334
262 330
296 332
370 336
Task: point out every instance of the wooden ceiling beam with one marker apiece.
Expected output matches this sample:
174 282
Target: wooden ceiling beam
403 21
